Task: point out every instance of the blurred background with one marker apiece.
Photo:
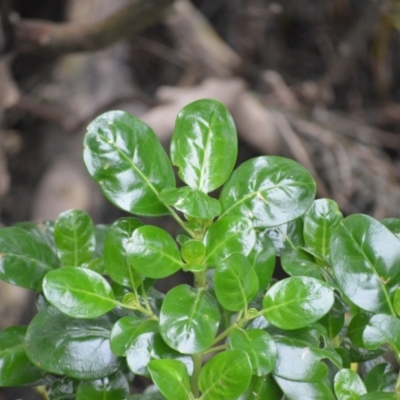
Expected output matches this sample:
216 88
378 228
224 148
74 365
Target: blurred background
314 80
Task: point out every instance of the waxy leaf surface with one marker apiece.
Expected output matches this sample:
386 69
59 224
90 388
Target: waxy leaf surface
382 329
226 376
126 330
24 259
124 156
115 257
296 302
348 385
74 347
293 390
192 202
259 346
319 222
172 378
153 252
204 144
365 259
381 378
189 319
78 292
74 236
113 387
300 354
262 388
15 367
269 190
226 236
235 282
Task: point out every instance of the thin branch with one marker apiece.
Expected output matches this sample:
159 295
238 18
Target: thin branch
43 36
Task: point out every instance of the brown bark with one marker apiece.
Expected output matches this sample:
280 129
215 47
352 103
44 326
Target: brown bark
43 36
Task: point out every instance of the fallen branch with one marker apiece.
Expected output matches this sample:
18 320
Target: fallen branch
42 36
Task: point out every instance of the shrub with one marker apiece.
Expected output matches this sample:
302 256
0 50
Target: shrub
236 333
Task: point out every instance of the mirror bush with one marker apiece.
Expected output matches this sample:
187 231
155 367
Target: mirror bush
329 330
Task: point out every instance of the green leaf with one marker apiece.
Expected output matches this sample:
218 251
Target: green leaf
366 262
319 223
287 237
335 319
226 236
296 302
269 190
78 292
189 319
393 224
15 367
126 330
63 389
382 329
68 346
172 378
24 258
226 376
300 354
153 252
193 251
148 346
113 387
235 282
299 263
204 144
356 328
124 156
293 390
259 346
74 236
192 202
115 258
348 385
382 377
262 258
396 301
100 233
380 396
262 388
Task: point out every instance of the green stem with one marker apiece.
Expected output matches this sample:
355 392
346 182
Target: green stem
139 308
179 220
200 279
228 330
397 387
215 349
194 382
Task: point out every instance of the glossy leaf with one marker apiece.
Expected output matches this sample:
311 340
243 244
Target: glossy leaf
113 387
149 346
78 292
396 301
381 378
293 390
380 396
74 236
235 282
189 319
299 263
393 224
269 190
68 346
356 328
226 236
300 354
262 258
204 144
15 367
153 252
193 251
24 258
258 345
63 389
115 257
287 237
126 330
334 320
319 223
192 202
172 378
366 262
124 156
296 302
262 388
226 376
382 329
348 385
